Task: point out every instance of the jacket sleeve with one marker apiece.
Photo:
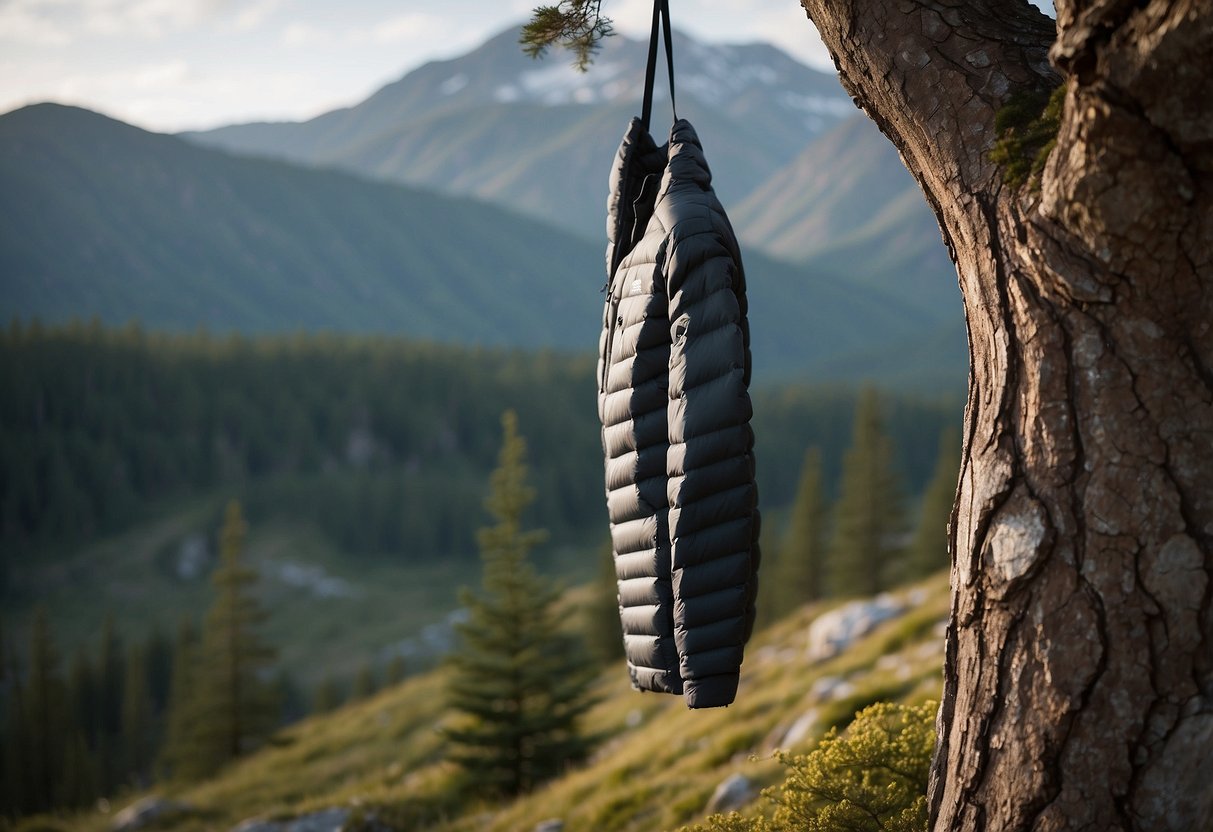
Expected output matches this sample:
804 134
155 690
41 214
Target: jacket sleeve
713 518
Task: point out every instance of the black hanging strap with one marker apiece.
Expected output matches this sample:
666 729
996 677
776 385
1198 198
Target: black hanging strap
661 16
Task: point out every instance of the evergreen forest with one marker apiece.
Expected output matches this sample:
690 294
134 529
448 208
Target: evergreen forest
385 443
384 448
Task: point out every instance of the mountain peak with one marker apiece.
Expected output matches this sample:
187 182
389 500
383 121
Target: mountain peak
715 75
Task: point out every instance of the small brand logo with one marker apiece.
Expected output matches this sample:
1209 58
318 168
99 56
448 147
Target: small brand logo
635 285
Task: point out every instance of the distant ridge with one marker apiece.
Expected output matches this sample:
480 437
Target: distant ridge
539 136
109 220
847 205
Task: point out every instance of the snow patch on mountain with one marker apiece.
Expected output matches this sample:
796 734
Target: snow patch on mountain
717 75
558 84
453 84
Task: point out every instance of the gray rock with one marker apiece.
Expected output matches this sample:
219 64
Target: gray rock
833 632
258 825
733 792
326 820
799 729
550 825
193 557
148 810
829 688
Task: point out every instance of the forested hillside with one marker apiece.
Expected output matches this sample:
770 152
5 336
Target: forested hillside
332 488
383 443
109 220
105 219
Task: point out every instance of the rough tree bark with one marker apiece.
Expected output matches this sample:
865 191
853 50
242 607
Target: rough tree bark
1079 677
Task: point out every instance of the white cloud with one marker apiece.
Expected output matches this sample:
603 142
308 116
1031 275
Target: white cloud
304 34
255 13
731 21
405 27
144 18
59 22
171 64
21 22
174 95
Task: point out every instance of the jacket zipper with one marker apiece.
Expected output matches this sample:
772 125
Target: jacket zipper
612 315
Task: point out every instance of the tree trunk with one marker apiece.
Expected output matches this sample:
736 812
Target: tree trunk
1079 678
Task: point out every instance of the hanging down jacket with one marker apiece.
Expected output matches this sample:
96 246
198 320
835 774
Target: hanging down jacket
674 370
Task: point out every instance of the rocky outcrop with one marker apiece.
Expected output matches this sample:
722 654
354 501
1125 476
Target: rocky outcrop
733 792
833 632
149 810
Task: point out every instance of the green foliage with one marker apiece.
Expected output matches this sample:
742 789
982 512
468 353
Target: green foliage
158 650
1027 127
230 708
872 778
868 519
173 757
604 633
137 718
796 575
67 742
364 437
110 678
43 719
520 683
928 552
364 682
328 696
395 672
577 25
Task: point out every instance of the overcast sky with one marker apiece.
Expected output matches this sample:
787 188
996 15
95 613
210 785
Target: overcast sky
178 64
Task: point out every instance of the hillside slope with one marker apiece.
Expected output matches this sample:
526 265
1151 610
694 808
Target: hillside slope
656 769
105 219
108 220
847 205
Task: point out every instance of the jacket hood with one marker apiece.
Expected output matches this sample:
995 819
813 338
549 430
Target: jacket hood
642 174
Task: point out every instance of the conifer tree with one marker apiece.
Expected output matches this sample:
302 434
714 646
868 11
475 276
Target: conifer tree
233 708
110 675
79 772
604 634
80 776
136 716
396 670
179 717
158 650
520 684
868 523
109 678
292 706
16 790
364 682
797 575
82 694
45 716
929 551
327 697
12 740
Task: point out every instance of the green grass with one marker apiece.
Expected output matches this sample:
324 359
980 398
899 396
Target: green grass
656 768
131 576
